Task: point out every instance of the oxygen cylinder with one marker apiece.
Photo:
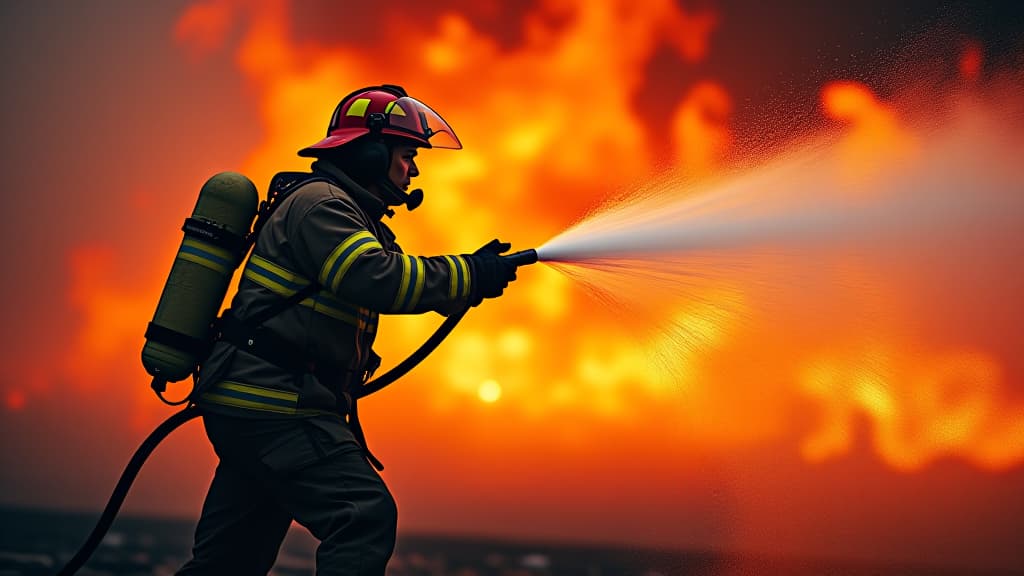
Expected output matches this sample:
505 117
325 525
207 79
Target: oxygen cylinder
179 335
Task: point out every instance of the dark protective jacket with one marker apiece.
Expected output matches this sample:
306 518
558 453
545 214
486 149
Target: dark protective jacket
329 231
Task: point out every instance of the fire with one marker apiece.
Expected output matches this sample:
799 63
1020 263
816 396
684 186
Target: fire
701 129
111 316
551 126
203 27
107 341
919 412
875 138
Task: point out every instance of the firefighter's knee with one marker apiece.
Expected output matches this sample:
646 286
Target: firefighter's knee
382 511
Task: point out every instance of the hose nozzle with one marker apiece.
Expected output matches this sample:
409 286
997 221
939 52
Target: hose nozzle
522 258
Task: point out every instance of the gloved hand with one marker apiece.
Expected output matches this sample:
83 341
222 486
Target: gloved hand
490 272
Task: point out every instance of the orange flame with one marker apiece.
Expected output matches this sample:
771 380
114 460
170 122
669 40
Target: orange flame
875 138
536 138
551 127
701 128
938 407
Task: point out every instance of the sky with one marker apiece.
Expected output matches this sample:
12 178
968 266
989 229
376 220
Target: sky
860 402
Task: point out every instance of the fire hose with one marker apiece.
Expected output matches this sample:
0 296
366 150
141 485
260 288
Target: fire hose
191 411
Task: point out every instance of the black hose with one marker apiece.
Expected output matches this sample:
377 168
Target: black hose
121 490
415 358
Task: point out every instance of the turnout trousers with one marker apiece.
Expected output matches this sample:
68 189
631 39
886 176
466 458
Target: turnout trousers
272 472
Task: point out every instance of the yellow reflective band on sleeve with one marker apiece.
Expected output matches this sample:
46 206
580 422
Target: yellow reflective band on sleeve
248 397
342 257
463 277
403 287
411 288
453 277
358 107
207 255
419 279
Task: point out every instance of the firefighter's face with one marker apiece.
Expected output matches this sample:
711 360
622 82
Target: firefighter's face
403 166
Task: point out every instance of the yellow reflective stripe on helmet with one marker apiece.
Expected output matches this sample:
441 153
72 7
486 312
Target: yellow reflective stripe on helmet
358 107
208 255
342 257
394 108
250 397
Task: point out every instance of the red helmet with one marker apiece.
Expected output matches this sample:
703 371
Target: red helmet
387 110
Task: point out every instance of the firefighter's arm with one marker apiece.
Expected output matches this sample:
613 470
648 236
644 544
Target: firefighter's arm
350 262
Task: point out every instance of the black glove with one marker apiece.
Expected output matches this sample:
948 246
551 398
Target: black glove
490 272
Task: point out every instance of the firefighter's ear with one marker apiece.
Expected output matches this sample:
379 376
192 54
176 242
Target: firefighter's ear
374 156
368 160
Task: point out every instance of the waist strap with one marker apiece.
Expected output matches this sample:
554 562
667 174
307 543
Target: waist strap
268 346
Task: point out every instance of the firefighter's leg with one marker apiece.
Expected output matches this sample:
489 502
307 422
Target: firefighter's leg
344 503
241 527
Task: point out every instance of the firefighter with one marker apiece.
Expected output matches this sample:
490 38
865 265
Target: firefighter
276 391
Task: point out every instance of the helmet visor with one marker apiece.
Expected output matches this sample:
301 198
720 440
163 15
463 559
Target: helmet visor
409 116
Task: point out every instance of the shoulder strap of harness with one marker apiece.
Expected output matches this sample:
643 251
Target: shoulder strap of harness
281 186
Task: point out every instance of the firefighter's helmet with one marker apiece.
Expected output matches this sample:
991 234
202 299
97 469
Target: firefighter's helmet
384 110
